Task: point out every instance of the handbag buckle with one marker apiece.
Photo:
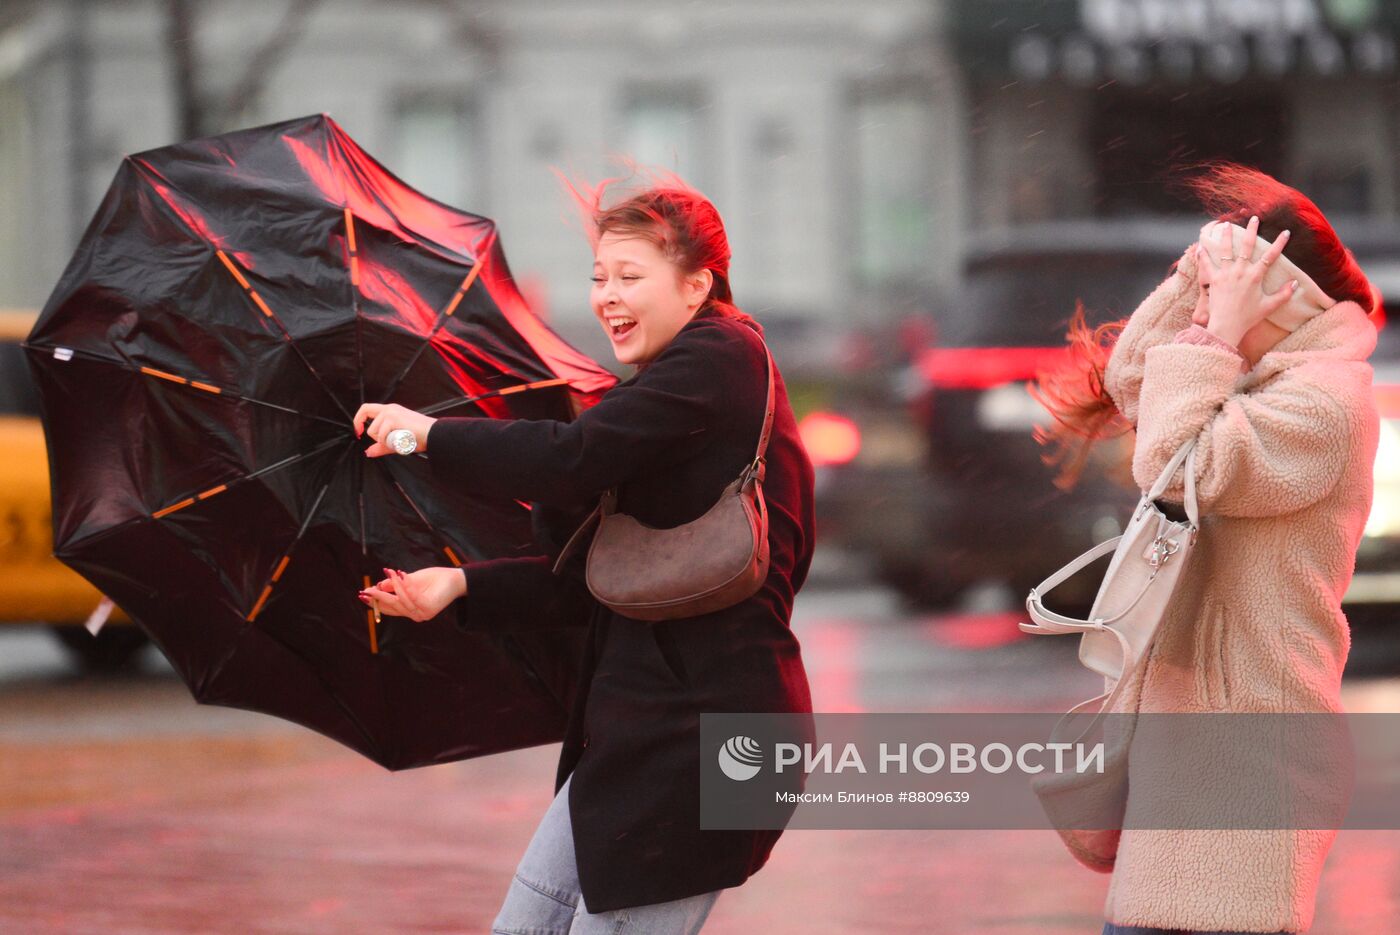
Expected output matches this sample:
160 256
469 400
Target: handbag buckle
1161 551
755 470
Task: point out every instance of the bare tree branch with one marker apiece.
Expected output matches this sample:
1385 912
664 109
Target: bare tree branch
179 40
287 34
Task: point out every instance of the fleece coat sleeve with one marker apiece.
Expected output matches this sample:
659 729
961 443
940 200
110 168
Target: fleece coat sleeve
1277 448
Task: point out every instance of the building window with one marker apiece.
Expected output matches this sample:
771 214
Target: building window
439 151
664 126
1141 139
892 138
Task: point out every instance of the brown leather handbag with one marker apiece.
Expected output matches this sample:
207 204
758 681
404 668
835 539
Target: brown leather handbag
705 565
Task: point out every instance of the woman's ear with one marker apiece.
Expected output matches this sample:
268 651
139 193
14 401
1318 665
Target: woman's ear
697 286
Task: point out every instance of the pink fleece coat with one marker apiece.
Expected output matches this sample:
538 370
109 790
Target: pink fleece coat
1284 479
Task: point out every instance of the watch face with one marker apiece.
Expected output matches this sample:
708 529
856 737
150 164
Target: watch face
403 441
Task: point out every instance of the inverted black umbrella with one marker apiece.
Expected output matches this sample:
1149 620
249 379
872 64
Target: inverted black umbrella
231 304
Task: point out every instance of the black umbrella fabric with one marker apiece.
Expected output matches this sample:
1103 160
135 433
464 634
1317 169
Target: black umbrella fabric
231 304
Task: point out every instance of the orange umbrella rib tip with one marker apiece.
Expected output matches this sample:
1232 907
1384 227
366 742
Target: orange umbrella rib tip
350 230
171 509
257 608
233 269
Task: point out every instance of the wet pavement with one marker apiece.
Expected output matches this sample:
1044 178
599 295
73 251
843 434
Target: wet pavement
127 808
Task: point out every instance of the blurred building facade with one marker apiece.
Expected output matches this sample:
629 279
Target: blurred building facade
827 133
1077 108
853 149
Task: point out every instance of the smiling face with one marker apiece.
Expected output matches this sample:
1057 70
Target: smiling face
640 297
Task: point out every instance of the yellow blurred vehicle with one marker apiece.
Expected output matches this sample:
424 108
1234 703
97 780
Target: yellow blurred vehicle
35 587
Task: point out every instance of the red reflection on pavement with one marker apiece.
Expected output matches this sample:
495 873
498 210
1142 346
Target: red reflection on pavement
975 631
830 653
320 907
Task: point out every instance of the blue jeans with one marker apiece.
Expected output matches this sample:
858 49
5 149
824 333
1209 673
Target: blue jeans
544 897
1110 929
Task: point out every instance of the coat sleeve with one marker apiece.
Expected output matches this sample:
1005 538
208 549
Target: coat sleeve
1157 320
1278 448
506 595
665 415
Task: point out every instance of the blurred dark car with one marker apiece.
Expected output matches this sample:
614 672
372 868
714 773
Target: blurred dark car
978 506
984 509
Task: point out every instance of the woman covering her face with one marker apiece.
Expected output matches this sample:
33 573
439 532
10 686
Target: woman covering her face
621 840
1256 346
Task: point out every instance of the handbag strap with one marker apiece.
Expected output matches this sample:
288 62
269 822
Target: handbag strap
1186 453
753 474
758 469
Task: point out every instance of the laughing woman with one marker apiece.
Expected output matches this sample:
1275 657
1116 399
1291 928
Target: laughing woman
1255 346
620 850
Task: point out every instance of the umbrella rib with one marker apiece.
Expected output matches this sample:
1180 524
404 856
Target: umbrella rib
507 391
179 380
262 306
353 251
202 495
446 313
287 555
214 491
447 544
372 611
354 262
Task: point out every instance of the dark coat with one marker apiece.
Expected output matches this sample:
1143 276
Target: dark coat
670 438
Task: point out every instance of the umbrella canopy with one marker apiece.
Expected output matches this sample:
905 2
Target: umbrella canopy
231 304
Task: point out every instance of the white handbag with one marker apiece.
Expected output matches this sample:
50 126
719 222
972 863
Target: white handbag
1148 561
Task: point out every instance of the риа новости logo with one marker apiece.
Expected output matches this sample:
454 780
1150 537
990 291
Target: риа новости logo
740 758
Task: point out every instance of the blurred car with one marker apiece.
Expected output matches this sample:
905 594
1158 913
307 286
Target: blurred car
1376 581
978 505
37 588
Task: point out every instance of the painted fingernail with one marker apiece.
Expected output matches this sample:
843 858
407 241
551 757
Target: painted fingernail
1254 219
1286 234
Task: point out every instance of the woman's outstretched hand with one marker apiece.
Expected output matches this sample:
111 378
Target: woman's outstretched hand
384 418
1235 300
419 595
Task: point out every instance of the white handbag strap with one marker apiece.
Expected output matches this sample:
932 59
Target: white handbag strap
1105 700
1048 621
1185 454
1088 558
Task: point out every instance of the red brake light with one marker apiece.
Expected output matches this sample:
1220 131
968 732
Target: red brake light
983 368
829 438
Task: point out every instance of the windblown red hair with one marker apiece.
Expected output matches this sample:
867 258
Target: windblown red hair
1074 392
683 224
